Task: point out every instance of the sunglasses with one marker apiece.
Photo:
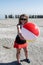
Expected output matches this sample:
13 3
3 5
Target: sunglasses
23 19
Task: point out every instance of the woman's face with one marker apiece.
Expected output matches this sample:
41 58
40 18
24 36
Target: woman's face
23 20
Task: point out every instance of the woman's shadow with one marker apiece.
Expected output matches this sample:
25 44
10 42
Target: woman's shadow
11 63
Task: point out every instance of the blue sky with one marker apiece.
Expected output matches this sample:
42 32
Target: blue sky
21 6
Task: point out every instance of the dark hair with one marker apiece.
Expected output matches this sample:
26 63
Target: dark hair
23 15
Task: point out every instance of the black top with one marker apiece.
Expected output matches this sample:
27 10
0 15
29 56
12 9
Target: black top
19 41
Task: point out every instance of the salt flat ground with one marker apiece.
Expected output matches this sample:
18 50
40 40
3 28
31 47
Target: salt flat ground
8 32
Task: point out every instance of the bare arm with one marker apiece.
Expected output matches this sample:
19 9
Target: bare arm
19 32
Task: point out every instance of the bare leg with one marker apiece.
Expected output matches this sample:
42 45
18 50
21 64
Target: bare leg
18 55
26 52
26 55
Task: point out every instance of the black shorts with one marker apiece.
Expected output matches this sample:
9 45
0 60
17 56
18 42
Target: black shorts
19 41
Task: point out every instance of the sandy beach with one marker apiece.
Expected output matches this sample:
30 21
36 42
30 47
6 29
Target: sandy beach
8 32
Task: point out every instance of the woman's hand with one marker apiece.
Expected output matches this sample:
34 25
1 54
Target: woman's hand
21 37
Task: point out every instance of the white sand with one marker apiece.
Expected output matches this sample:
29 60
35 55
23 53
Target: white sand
8 33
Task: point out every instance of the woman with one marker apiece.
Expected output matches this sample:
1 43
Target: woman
20 41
